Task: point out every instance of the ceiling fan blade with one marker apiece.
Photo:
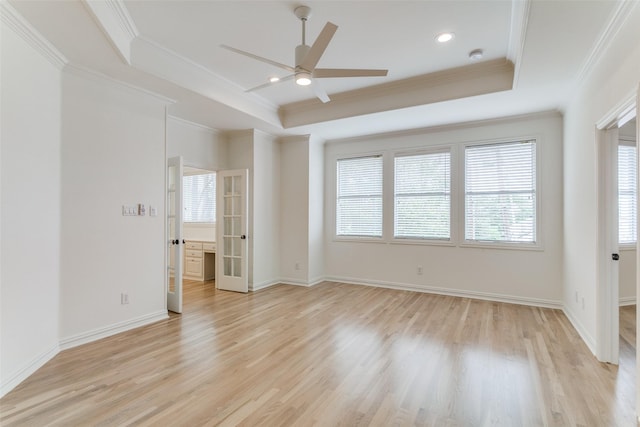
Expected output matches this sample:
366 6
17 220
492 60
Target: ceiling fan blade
348 72
319 46
320 92
289 77
259 58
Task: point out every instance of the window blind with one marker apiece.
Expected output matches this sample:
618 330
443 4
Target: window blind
627 194
500 192
359 197
199 198
422 207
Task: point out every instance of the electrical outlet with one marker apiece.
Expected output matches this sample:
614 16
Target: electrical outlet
297 266
124 298
419 270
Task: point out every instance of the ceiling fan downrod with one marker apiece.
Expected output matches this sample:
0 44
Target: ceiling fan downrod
302 76
303 13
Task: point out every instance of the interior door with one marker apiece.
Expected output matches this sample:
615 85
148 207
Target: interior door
613 245
174 235
231 256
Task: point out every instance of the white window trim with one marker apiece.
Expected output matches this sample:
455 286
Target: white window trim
334 170
539 243
457 197
453 208
631 142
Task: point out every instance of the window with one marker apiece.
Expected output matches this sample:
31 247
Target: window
627 194
500 192
199 198
359 197
423 196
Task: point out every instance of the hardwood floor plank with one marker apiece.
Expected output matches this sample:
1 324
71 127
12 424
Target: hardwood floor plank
332 355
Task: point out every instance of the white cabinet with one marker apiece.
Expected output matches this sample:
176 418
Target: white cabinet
199 260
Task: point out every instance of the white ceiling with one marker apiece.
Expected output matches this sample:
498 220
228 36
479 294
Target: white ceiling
172 48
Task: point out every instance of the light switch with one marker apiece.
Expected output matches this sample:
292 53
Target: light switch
153 211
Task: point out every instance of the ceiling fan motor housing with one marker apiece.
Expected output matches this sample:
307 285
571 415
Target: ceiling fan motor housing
301 52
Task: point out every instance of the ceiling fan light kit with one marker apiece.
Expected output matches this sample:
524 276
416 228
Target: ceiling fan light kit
303 78
307 57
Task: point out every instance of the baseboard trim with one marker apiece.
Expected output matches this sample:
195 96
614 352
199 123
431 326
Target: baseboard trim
486 296
116 328
582 331
295 282
26 371
263 285
627 301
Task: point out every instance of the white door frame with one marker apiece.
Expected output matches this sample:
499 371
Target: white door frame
607 287
607 314
174 242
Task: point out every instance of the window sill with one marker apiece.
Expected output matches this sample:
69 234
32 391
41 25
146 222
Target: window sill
356 239
422 242
503 245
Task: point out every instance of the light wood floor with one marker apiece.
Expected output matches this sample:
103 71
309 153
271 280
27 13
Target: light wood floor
628 325
332 355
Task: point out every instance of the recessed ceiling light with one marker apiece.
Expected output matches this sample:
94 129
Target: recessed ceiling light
445 37
274 79
476 54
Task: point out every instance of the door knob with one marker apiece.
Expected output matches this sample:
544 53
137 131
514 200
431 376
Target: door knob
243 237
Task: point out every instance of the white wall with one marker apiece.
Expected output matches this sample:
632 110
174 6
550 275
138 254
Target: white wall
240 156
294 210
614 78
30 210
528 276
316 210
627 276
260 154
113 154
205 232
199 146
266 210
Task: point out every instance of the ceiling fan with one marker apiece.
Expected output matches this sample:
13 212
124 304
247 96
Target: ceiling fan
307 58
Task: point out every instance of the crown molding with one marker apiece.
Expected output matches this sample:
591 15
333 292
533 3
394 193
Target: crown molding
616 22
116 22
94 75
517 35
124 18
456 83
20 26
618 111
159 61
177 61
194 124
541 115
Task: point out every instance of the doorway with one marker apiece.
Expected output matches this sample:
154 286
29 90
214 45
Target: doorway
627 235
191 229
617 227
199 228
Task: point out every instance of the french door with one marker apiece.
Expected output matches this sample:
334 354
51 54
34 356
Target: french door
174 235
231 257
